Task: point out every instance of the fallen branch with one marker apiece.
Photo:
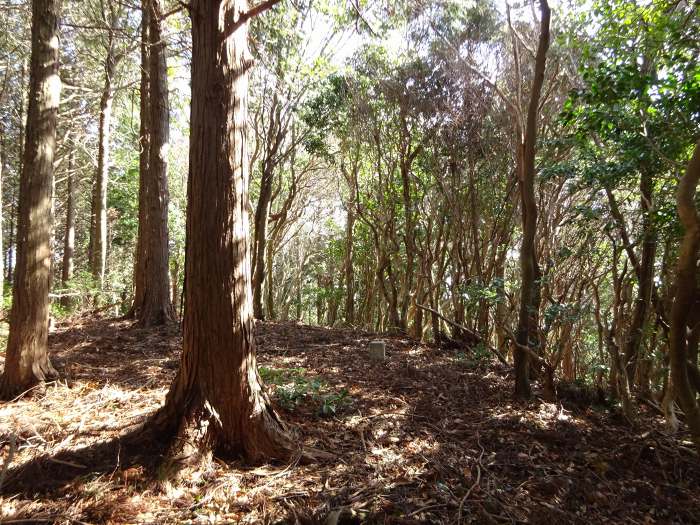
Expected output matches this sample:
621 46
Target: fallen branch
537 358
466 330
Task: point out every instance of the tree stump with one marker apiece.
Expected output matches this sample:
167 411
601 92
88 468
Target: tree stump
377 350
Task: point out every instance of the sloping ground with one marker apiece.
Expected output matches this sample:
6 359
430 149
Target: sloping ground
427 436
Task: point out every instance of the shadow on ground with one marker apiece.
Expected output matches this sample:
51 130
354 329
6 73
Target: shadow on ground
115 351
427 436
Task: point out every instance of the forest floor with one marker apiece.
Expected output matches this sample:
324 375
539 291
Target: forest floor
427 436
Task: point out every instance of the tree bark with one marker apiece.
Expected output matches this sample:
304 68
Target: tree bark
69 234
3 159
528 318
349 267
156 308
98 230
646 277
175 286
686 290
218 382
12 240
409 236
144 153
262 212
269 285
27 360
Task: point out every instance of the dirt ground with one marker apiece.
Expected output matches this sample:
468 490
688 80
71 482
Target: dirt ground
427 436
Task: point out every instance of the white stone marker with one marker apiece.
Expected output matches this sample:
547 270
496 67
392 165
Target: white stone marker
377 350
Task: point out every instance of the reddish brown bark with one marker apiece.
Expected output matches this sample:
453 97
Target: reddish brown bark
27 361
218 382
156 307
144 141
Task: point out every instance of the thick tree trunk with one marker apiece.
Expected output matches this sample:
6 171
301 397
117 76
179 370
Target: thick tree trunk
27 361
218 380
156 308
686 290
98 230
69 233
528 318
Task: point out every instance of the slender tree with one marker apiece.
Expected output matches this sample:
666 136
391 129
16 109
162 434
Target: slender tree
3 158
349 227
144 142
527 334
153 287
69 233
27 361
218 379
111 13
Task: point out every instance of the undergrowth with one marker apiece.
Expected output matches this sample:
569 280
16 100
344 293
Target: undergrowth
292 388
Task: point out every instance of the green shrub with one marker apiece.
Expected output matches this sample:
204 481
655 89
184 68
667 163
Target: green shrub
293 389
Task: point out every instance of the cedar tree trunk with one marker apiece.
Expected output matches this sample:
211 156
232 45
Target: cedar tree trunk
218 382
27 361
98 230
144 141
156 308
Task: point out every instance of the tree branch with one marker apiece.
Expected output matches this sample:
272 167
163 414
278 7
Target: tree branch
243 17
475 335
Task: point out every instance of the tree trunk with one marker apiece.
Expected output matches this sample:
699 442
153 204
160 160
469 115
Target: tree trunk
27 361
409 240
218 382
646 277
11 246
269 290
686 290
3 159
262 211
12 240
349 268
69 234
98 230
144 153
175 286
528 318
299 281
156 308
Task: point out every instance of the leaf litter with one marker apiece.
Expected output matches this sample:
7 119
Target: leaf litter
427 436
